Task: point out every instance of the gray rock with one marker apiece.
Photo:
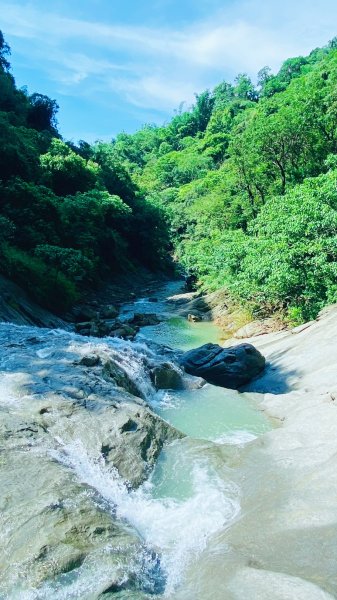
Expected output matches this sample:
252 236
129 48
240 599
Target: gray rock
89 360
227 367
112 370
55 525
95 328
69 416
86 313
144 320
82 325
167 377
99 328
255 328
123 330
109 312
134 446
193 318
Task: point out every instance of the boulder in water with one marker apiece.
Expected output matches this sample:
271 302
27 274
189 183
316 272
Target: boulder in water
228 367
89 360
84 313
144 320
109 312
134 442
123 330
193 318
167 377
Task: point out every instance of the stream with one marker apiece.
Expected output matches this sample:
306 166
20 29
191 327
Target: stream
190 498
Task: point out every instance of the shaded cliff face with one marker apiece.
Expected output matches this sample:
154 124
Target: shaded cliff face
17 307
68 405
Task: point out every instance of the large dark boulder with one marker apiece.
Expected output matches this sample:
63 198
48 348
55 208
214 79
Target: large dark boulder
228 367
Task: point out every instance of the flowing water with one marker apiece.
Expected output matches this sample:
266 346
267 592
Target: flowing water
191 495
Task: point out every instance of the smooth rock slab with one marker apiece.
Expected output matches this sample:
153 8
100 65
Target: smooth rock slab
226 367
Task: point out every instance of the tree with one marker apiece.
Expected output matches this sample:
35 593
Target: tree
4 52
65 171
69 261
42 113
244 88
263 76
203 109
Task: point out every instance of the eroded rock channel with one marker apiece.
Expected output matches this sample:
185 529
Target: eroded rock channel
84 421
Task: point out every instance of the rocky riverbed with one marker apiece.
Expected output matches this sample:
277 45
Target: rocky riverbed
226 513
64 400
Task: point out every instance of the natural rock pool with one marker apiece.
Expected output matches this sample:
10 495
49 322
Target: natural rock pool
71 526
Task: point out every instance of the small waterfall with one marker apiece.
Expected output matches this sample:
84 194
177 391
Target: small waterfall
41 373
178 531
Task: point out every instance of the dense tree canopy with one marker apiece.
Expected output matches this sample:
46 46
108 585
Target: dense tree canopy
240 187
69 215
246 188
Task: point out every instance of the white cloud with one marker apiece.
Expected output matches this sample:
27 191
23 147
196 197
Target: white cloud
154 91
162 67
200 45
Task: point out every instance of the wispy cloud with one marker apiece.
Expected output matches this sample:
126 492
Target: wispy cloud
155 66
158 68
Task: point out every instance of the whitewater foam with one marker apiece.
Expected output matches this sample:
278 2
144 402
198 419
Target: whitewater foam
177 530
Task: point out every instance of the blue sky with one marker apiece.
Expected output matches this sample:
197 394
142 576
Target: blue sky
114 65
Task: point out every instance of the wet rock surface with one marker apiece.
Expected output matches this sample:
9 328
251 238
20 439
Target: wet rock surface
228 367
72 413
167 377
17 307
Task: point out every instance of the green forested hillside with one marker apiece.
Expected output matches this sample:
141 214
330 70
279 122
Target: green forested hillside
242 187
248 179
68 215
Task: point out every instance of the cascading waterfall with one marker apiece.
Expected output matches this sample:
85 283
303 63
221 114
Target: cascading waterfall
172 517
176 530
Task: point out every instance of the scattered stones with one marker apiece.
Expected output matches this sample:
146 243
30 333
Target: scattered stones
144 319
227 367
109 312
85 313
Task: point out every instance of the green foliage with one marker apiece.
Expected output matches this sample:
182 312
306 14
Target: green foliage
41 114
65 171
69 214
92 222
32 209
69 261
288 258
44 284
4 52
19 151
7 230
240 187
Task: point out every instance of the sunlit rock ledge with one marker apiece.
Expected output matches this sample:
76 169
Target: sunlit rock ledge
283 545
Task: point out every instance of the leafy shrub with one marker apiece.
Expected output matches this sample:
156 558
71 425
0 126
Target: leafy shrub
46 285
